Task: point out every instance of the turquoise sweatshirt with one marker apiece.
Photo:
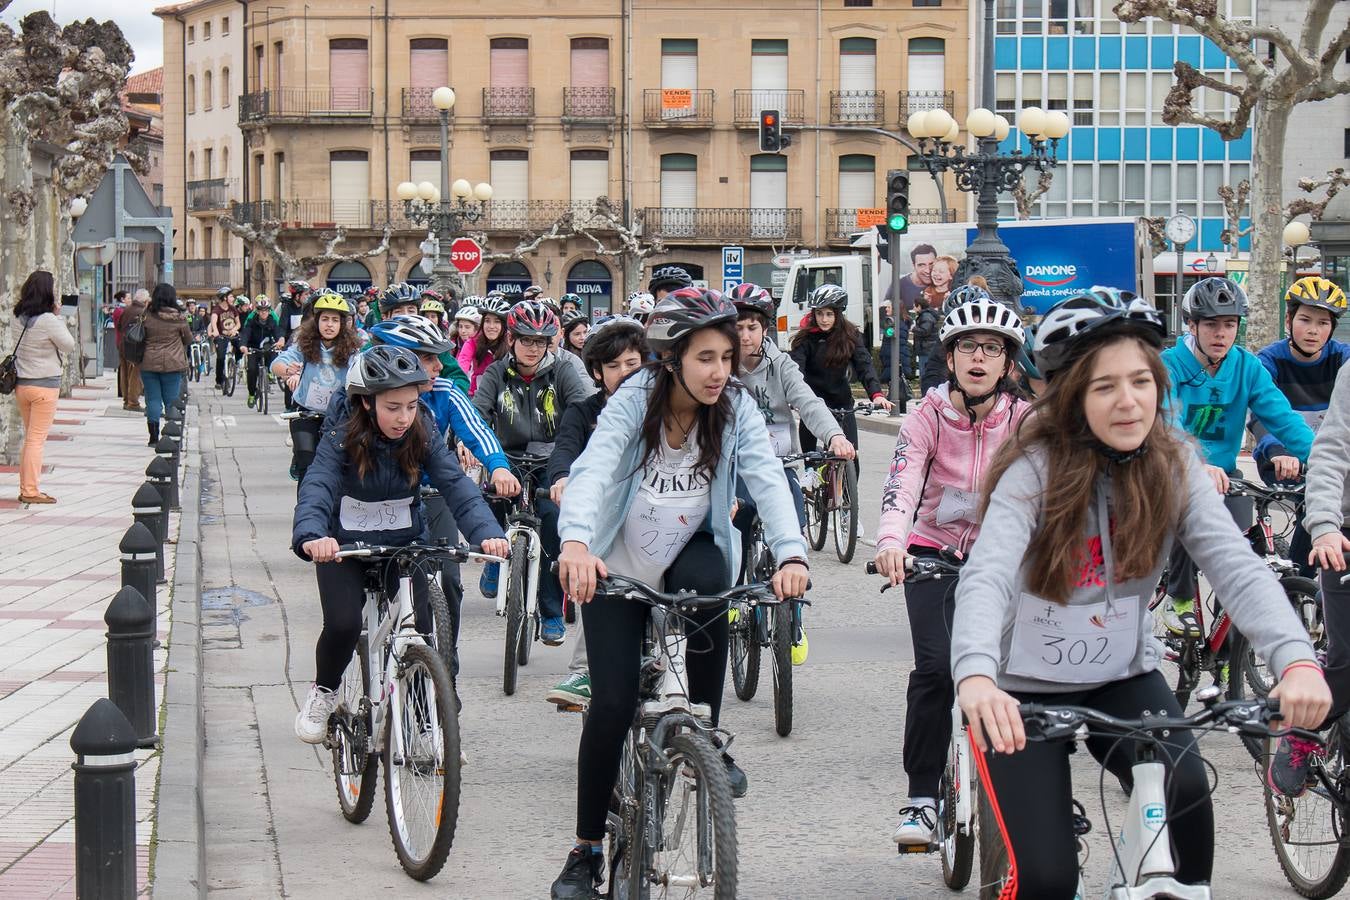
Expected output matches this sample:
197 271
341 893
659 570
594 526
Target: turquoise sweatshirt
1213 408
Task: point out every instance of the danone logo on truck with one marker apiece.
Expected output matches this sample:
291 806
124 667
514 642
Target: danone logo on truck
1050 276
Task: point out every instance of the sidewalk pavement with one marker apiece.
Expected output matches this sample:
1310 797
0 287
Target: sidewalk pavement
60 568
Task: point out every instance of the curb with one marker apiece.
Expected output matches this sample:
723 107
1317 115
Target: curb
880 424
180 855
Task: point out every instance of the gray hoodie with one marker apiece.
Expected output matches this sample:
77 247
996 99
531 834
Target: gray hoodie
993 602
1327 497
777 386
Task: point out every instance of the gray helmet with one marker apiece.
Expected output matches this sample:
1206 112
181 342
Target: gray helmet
671 278
685 311
828 296
417 333
384 368
1075 324
497 304
1211 297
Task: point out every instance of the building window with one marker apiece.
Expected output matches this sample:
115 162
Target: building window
224 25
848 3
927 65
207 95
349 73
1108 99
927 2
206 162
1006 17
191 94
425 165
225 87
1108 189
590 94
510 63
206 30
590 177
258 67
1084 16
225 161
1347 143
679 194
509 173
1057 91
857 181
1082 98
208 242
768 195
349 187
1005 96
192 166
679 63
429 68
192 34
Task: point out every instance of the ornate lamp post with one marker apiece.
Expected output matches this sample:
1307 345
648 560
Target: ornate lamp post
988 173
444 210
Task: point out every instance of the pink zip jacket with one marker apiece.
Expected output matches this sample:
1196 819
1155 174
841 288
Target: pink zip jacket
465 359
932 497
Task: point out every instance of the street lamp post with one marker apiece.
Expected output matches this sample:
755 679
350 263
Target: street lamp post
445 210
988 173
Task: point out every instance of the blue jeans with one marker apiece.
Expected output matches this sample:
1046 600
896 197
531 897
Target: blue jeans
161 389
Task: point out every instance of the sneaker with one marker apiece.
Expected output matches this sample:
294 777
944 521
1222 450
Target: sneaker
740 785
425 748
574 690
1288 770
252 399
800 649
295 472
311 723
581 875
487 582
553 631
916 824
1178 617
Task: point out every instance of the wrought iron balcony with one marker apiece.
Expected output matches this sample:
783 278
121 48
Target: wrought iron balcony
305 105
857 107
417 106
508 104
677 108
720 225
588 104
210 194
922 101
842 224
791 106
316 214
207 274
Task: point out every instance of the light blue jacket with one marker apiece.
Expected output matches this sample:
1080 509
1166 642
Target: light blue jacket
605 478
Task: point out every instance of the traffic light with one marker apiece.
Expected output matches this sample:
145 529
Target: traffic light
897 201
770 131
883 240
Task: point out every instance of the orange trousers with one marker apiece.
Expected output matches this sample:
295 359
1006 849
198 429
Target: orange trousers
37 406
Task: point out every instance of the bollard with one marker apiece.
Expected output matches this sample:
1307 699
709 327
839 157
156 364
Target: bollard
167 449
174 431
164 475
138 563
147 507
105 804
131 662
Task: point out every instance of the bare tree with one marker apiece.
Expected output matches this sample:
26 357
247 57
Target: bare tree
1024 197
1235 204
1303 72
1335 180
266 237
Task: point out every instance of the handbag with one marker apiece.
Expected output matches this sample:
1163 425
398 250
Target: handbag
9 367
133 341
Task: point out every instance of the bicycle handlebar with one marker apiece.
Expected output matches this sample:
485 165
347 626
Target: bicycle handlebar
926 568
1240 487
811 458
1053 722
757 594
303 414
458 553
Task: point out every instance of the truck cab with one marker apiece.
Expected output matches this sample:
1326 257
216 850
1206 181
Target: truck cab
855 273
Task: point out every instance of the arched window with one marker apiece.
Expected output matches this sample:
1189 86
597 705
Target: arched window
511 278
225 161
192 166
225 87
191 94
207 95
192 244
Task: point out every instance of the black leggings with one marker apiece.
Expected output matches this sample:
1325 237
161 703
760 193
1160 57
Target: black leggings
305 434
1033 792
342 595
614 633
1336 614
849 424
929 697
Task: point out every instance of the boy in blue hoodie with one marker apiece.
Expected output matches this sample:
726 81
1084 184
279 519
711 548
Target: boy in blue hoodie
1213 386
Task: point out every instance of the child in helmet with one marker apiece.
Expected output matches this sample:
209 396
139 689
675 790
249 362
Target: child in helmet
263 337
467 319
433 308
489 344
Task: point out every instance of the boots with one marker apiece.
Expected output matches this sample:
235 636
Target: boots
154 433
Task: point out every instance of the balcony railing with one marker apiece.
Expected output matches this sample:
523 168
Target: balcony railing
857 107
714 225
207 274
209 194
508 104
842 224
320 214
791 106
305 104
922 101
417 106
500 215
588 103
677 107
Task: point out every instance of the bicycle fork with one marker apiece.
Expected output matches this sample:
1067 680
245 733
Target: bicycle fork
532 557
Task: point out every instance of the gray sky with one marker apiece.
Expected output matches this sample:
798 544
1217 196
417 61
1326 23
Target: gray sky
142 30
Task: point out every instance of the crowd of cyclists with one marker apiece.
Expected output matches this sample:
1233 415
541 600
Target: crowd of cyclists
1065 465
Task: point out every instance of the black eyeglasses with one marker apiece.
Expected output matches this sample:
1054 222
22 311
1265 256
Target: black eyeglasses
968 346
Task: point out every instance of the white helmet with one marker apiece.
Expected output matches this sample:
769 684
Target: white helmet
982 314
469 314
640 303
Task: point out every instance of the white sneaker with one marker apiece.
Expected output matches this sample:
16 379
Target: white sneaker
311 723
916 824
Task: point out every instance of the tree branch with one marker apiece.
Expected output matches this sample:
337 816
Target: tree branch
1179 106
1203 17
1335 180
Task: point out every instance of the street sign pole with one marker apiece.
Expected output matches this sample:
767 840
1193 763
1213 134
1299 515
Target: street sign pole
898 397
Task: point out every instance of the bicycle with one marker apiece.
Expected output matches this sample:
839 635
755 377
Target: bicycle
958 791
263 379
1143 864
199 355
519 603
671 776
830 493
396 702
439 593
229 368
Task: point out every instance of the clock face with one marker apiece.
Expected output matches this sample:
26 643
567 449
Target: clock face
1180 229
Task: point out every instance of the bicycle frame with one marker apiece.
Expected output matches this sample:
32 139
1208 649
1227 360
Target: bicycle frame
526 524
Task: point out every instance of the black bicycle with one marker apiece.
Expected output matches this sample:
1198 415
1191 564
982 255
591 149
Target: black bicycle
519 603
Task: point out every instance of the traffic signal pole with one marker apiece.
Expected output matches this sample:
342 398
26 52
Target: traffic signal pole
898 396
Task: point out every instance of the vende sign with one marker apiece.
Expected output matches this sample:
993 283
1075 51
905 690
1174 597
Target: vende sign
466 255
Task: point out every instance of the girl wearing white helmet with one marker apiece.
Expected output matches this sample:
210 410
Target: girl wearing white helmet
929 505
640 305
468 319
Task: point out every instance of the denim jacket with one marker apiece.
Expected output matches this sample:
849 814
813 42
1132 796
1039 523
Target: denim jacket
605 478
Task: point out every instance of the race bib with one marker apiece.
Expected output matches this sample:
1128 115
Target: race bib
1073 644
958 506
318 396
375 515
780 438
656 534
295 321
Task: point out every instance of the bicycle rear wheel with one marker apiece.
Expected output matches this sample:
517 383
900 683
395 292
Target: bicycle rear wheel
1302 594
515 612
782 668
695 823
354 768
421 784
845 513
817 517
264 386
1309 832
231 374
744 651
957 846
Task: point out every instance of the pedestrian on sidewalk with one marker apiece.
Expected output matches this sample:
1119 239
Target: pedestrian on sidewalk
167 338
128 372
37 359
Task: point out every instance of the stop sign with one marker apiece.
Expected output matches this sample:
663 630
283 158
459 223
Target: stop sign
466 255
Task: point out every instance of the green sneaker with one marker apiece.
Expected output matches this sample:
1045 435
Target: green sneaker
574 690
1178 617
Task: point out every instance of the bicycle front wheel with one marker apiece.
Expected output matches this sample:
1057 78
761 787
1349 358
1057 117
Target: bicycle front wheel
231 374
845 513
1308 831
993 852
442 636
957 844
817 517
1302 594
421 779
782 668
515 612
744 650
694 853
354 767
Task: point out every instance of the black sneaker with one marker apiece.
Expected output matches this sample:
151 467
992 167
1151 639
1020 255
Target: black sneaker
580 877
1288 771
740 785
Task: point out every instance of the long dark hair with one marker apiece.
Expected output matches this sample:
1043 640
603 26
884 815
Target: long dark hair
483 347
363 431
164 299
711 419
840 340
345 345
37 296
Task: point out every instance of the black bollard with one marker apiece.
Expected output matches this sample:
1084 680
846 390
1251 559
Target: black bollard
174 431
105 804
131 662
147 507
167 449
164 475
138 562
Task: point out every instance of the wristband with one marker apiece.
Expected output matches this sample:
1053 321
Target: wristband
1302 664
795 559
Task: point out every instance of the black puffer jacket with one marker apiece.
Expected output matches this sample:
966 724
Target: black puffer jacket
832 383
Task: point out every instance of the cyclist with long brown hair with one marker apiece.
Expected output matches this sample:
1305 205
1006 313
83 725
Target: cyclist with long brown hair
490 343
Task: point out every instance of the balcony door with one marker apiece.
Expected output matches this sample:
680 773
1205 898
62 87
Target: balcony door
348 75
590 94
768 196
349 187
679 194
858 80
769 75
926 73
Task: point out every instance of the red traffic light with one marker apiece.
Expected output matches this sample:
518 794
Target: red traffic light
769 119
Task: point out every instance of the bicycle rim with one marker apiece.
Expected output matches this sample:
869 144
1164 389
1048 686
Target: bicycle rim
1308 831
696 853
744 652
957 847
515 615
354 769
782 669
422 782
530 622
845 514
817 517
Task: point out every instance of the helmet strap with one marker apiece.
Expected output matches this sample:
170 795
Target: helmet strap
1116 457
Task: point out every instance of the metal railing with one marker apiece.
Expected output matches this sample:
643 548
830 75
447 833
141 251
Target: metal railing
677 107
842 224
320 214
922 101
857 107
417 106
509 104
207 274
791 106
498 215
713 224
315 104
588 103
209 194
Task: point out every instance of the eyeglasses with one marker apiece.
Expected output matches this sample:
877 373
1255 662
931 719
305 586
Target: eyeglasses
992 349
537 343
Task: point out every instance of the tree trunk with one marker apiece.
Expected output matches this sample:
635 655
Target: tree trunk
1267 211
16 261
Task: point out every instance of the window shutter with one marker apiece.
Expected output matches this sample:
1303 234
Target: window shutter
768 195
349 187
769 74
510 176
349 74
927 65
590 176
510 63
429 63
425 165
590 63
857 181
679 63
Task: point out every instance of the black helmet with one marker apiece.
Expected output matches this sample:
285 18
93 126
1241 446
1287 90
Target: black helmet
1211 297
1097 313
685 311
670 278
531 318
828 296
399 294
384 368
573 318
747 296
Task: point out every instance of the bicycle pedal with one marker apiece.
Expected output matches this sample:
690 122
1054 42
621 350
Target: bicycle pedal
570 707
909 849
